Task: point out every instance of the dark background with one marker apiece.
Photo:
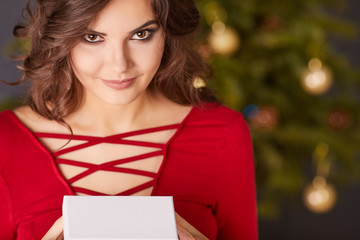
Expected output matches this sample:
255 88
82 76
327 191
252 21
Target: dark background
295 222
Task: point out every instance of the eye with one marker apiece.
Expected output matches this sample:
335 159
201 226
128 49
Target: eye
142 35
93 38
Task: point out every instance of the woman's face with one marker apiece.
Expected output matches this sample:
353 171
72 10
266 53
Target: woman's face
121 52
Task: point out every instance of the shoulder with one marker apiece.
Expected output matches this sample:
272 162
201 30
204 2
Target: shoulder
8 121
26 115
12 133
34 121
228 125
5 117
11 126
216 114
215 125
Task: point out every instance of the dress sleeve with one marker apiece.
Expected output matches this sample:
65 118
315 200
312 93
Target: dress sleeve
7 229
235 209
7 223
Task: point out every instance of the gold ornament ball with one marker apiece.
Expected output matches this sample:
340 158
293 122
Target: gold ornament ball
320 196
317 79
224 40
199 83
317 82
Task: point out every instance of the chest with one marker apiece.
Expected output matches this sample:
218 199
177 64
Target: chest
123 164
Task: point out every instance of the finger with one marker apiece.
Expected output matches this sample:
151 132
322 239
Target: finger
61 236
187 231
55 231
183 234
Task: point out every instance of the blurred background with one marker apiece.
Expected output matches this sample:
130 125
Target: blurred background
292 67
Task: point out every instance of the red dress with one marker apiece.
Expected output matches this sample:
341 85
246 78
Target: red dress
207 167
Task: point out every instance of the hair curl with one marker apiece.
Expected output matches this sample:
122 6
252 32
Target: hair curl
55 27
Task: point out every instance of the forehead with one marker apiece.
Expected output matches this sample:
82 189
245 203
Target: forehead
123 15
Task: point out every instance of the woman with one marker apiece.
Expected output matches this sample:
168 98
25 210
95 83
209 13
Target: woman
113 111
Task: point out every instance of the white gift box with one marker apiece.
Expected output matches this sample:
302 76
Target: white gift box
119 217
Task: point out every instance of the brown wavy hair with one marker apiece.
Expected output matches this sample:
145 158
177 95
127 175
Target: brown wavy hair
56 26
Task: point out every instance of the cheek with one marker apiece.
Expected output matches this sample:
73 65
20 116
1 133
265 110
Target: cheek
84 61
149 57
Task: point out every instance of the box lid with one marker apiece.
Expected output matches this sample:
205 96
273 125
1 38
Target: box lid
119 217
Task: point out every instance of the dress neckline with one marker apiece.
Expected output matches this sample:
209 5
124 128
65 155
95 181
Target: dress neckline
35 135
86 137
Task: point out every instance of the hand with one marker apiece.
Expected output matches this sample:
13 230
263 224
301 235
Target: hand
185 230
55 232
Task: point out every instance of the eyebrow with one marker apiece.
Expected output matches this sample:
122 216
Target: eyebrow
95 32
144 25
133 31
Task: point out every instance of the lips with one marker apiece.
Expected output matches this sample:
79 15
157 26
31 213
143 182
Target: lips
119 84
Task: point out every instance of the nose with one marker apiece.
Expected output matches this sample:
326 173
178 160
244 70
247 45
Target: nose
120 57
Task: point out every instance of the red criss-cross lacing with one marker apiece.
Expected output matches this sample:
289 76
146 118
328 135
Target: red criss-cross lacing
111 166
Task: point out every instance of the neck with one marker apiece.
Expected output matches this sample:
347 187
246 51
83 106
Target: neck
96 117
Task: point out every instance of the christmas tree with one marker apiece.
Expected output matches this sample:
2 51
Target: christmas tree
274 61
